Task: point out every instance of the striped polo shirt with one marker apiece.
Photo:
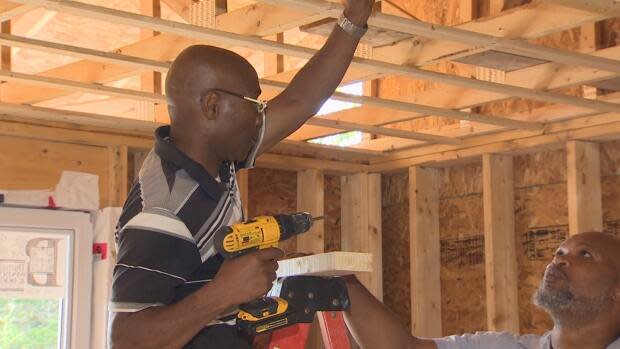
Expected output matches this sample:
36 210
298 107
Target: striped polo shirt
164 236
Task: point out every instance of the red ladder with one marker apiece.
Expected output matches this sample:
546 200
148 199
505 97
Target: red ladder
333 330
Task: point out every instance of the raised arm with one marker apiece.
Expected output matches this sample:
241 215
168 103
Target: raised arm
374 326
317 80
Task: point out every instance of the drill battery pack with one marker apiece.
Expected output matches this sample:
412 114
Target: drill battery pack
295 300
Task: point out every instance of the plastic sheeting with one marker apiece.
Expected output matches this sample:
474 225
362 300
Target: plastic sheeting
75 190
105 223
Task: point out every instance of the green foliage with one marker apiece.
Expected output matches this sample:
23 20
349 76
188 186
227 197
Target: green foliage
29 323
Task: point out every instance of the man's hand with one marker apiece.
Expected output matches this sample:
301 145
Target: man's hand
358 11
250 276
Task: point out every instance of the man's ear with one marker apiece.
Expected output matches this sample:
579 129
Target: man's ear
209 105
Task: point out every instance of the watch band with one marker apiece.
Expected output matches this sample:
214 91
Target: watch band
350 28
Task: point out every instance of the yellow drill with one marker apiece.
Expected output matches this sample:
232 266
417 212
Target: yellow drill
268 313
260 232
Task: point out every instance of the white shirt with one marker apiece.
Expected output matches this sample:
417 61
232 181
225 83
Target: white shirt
501 340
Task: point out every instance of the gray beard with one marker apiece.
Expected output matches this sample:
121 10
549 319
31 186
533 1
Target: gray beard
566 309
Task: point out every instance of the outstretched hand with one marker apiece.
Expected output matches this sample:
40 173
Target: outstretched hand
358 11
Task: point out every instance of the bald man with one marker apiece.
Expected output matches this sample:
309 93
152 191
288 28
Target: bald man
170 288
580 290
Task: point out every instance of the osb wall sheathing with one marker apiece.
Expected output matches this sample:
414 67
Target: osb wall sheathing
541 224
275 192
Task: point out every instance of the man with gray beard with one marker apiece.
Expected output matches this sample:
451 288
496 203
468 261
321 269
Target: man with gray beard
580 291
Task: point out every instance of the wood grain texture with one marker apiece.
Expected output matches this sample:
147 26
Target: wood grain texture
585 212
327 264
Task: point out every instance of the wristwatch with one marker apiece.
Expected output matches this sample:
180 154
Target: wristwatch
350 28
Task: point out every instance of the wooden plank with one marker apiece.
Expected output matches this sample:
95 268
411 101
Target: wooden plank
5 51
361 230
422 110
611 7
529 21
293 163
38 80
9 10
218 36
72 135
604 127
87 71
327 264
425 252
74 51
153 81
435 31
263 19
150 81
118 175
495 7
310 198
499 241
113 129
546 76
585 211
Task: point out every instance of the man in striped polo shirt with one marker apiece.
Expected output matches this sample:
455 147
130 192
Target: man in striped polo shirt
170 288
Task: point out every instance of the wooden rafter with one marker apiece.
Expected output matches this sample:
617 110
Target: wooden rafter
9 10
610 7
435 31
163 66
84 53
211 35
548 76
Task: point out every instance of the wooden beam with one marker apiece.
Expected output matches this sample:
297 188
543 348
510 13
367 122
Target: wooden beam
117 175
79 86
158 98
361 224
546 76
74 51
392 132
310 198
436 31
600 127
293 163
5 51
138 134
423 110
529 21
585 211
163 66
588 42
424 252
15 127
217 36
499 240
495 7
149 81
610 7
327 264
264 19
87 71
9 10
